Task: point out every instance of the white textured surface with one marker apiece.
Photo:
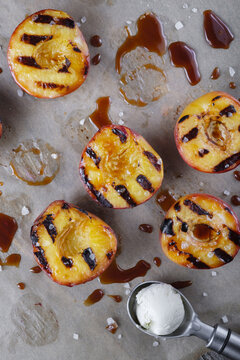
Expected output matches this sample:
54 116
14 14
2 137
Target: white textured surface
159 309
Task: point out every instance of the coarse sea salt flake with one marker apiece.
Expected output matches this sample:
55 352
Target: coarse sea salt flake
214 273
25 211
155 343
54 156
194 10
83 19
110 321
82 121
1 268
231 71
226 192
204 294
224 319
120 113
119 336
179 25
120 122
127 291
75 336
20 92
185 6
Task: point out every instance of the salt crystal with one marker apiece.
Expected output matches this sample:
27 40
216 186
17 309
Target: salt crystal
75 336
231 71
185 6
81 122
128 22
201 183
120 113
224 319
214 273
127 291
126 286
179 25
1 268
54 156
155 343
20 92
78 24
110 321
120 122
119 336
83 19
204 294
25 211
226 192
194 10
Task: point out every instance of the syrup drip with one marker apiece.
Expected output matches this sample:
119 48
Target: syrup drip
100 116
235 200
11 260
149 36
232 85
157 261
237 175
116 298
181 284
35 270
215 74
165 199
184 56
8 228
96 41
146 228
114 274
94 297
96 59
21 286
216 32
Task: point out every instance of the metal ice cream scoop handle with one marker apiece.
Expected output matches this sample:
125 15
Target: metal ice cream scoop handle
218 338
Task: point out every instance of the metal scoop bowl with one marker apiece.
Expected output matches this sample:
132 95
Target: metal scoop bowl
222 340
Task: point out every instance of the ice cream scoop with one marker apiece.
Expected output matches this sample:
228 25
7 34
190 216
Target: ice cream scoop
222 340
159 309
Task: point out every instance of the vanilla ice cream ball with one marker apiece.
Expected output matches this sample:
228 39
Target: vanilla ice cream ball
159 309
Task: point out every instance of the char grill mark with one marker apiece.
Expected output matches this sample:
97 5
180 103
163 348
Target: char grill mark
48 19
203 152
49 226
65 206
91 153
196 208
34 236
177 206
46 85
228 111
65 67
153 160
122 135
76 49
216 98
28 61
100 198
85 70
184 227
124 193
90 258
42 259
67 261
167 227
192 134
109 255
145 183
234 236
225 164
196 262
183 118
228 210
222 255
34 39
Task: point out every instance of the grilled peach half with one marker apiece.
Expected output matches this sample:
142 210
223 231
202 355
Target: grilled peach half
47 54
119 168
71 245
200 231
207 134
